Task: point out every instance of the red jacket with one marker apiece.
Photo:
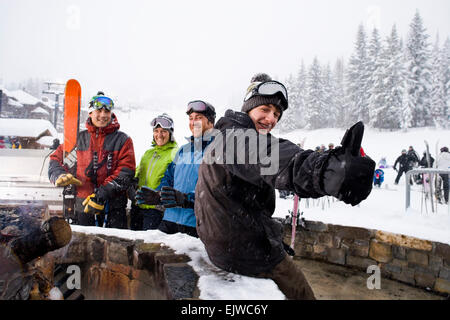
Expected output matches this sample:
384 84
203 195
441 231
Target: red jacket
116 161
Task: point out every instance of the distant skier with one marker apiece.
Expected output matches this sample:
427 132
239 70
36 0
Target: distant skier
423 163
235 201
413 158
382 163
378 178
403 161
15 144
443 162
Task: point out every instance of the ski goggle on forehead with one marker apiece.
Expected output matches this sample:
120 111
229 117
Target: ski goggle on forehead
199 106
102 102
163 122
267 88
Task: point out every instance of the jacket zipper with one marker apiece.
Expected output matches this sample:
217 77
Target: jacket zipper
151 165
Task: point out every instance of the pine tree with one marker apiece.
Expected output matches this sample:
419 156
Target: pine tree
340 107
437 86
419 73
387 107
288 122
301 96
329 114
314 97
373 59
445 60
357 79
376 83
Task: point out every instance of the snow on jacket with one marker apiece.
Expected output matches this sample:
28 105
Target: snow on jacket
443 160
153 165
182 175
234 202
107 142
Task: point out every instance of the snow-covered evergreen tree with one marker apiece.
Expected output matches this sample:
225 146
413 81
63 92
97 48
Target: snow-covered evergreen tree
288 122
330 112
376 82
418 73
357 79
445 60
301 96
387 107
373 59
314 97
437 86
340 104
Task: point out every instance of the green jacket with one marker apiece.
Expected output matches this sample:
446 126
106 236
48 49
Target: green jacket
153 165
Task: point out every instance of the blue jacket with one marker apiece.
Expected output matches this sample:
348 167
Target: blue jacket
380 174
182 175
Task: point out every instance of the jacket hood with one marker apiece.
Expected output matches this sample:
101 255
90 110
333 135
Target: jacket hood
111 127
235 119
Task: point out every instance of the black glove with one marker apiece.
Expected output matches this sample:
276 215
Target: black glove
147 195
131 191
171 198
348 176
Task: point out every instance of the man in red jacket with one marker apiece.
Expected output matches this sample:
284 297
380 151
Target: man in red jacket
103 171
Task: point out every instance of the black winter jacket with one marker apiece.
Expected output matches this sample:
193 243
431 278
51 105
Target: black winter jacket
404 161
234 202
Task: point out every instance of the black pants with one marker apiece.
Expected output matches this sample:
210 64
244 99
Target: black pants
171 228
445 186
144 219
400 172
115 218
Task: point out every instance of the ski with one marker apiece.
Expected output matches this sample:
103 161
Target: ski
430 177
72 104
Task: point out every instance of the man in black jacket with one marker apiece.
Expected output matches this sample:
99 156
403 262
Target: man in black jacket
235 193
404 161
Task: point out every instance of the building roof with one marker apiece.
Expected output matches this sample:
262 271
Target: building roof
24 97
40 110
26 127
19 98
14 103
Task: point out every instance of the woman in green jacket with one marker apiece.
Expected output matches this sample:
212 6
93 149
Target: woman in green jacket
151 169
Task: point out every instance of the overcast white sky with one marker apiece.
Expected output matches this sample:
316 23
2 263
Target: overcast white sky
170 52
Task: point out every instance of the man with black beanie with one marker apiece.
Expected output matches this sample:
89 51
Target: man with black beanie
235 199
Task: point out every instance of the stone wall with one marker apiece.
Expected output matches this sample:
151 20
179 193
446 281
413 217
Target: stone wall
413 261
114 268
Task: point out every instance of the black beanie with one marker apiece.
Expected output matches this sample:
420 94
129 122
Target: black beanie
277 99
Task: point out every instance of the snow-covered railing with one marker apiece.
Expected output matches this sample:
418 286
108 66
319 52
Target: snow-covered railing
418 171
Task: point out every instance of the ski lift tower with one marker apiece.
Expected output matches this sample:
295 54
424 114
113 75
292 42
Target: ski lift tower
55 89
